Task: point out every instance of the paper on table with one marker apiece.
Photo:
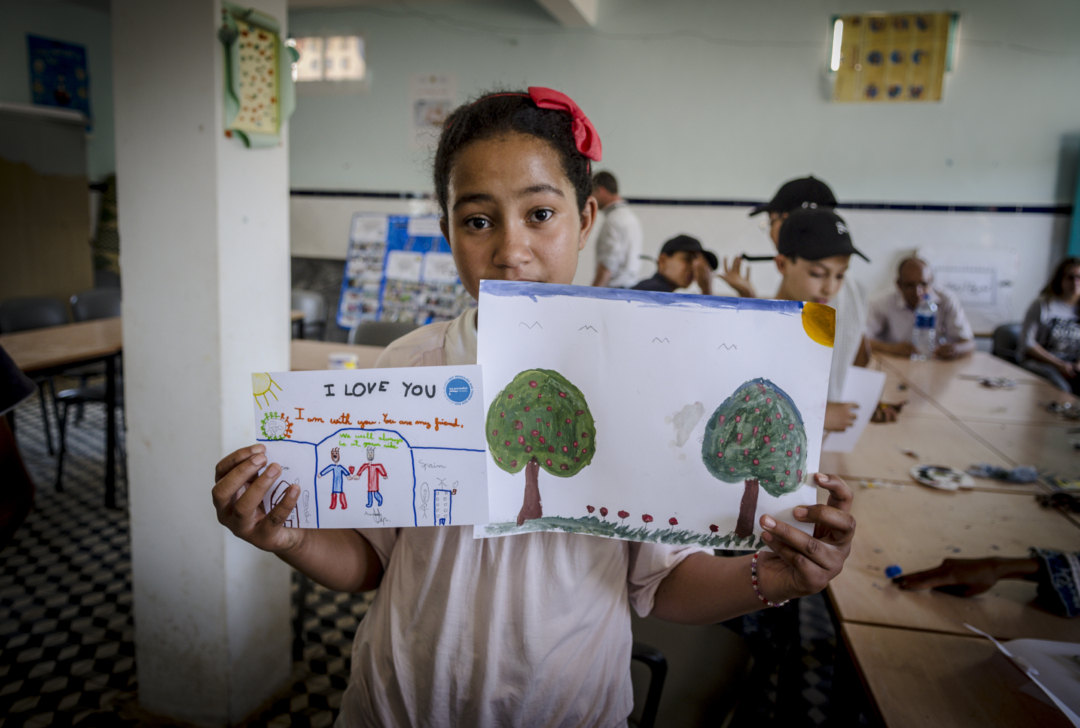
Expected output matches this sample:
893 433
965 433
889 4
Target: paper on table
376 447
1053 666
669 418
863 387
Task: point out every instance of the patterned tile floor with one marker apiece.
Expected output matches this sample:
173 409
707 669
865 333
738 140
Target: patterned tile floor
67 652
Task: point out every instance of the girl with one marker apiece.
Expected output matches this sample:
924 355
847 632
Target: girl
1050 337
530 630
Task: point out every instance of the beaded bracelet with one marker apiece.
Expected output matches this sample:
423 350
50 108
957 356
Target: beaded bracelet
753 578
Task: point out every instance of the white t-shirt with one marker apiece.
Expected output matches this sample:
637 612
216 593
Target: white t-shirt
618 246
529 630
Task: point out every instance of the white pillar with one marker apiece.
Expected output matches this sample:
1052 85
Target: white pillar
205 259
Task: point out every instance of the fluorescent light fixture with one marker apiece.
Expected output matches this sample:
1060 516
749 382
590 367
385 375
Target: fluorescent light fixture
837 36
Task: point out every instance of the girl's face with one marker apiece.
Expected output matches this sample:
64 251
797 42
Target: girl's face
512 213
811 280
1070 284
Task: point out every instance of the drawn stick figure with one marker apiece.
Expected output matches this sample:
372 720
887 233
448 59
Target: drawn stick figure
339 473
374 470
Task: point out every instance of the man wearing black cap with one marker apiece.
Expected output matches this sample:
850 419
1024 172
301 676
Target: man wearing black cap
814 249
682 261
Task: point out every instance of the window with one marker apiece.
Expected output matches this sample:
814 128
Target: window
333 61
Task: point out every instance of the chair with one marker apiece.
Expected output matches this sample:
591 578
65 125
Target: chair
313 306
80 396
380 333
653 659
1006 343
34 312
97 303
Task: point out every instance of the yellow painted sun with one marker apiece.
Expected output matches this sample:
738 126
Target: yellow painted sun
262 384
819 321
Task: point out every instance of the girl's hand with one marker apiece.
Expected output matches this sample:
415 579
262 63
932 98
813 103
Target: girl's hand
800 565
243 514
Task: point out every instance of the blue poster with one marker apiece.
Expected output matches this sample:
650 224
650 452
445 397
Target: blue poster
399 268
58 75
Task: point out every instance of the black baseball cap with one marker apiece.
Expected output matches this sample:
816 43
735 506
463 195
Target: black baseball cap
815 233
685 242
797 193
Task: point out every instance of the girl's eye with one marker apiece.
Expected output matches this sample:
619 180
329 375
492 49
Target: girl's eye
477 223
542 215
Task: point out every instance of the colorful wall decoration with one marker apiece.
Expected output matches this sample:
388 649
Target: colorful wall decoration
893 57
259 92
58 75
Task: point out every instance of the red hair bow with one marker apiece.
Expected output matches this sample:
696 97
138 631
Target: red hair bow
585 136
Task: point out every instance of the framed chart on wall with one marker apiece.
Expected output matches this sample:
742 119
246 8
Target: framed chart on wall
892 57
399 268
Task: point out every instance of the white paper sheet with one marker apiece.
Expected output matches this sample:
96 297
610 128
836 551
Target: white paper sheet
863 387
403 447
1053 666
651 372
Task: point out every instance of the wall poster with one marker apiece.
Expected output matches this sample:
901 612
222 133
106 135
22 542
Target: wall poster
893 57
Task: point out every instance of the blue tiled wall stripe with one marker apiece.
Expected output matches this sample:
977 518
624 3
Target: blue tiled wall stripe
908 207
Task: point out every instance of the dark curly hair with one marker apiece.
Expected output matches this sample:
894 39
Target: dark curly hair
507 112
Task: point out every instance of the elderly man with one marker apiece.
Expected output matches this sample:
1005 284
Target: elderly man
891 320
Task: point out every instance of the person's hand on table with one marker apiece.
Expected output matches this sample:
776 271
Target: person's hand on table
734 277
967 577
946 351
702 274
839 416
800 564
243 514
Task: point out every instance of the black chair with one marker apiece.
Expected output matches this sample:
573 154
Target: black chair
653 659
97 303
35 312
79 396
1006 343
380 333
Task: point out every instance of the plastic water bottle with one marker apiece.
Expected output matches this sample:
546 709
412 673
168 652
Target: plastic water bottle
924 335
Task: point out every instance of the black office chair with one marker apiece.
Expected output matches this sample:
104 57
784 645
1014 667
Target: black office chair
380 333
1007 343
35 312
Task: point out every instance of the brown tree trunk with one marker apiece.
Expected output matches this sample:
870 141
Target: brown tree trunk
747 509
531 507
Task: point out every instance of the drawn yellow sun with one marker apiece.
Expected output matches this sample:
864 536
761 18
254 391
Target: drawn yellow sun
261 385
819 322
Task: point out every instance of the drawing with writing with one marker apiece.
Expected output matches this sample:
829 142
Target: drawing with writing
540 420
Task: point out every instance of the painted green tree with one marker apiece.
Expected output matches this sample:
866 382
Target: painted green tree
756 436
540 420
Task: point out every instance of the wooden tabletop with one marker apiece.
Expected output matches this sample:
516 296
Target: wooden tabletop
920 679
883 450
311 355
916 527
66 345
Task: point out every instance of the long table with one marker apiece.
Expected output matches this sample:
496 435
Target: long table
49 351
920 665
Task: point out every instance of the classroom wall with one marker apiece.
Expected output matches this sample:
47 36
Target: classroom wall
72 24
720 99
